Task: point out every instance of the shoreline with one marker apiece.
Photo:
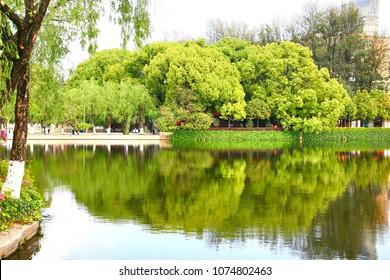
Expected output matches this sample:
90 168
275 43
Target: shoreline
11 239
95 139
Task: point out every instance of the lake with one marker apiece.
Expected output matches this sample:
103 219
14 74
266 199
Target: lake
116 202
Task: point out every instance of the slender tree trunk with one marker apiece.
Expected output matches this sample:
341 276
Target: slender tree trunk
19 144
141 121
93 123
109 124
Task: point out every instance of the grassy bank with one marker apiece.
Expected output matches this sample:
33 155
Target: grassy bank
229 139
354 138
354 135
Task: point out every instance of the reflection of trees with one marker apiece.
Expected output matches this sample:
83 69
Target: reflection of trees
297 187
357 219
314 199
350 227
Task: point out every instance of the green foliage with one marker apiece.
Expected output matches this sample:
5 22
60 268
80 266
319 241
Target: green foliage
235 136
24 210
365 105
358 138
257 108
204 71
354 137
45 100
382 104
106 65
83 126
302 97
183 112
235 49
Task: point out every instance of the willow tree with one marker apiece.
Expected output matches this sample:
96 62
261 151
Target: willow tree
42 29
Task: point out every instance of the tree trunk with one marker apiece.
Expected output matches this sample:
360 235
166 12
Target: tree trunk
93 123
24 39
109 124
141 121
19 144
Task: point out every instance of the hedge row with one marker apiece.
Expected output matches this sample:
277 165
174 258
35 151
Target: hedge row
338 137
351 135
235 136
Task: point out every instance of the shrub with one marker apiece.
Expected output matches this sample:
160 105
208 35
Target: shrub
349 135
24 210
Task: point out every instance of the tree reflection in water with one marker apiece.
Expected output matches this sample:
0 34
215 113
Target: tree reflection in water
321 202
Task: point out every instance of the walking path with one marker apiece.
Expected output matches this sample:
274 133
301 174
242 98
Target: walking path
90 138
11 239
97 136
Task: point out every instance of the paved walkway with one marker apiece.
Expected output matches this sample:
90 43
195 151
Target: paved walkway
11 239
90 138
97 136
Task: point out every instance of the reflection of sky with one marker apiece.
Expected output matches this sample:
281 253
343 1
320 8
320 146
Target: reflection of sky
383 246
71 233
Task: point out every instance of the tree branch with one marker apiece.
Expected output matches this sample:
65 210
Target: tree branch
11 15
37 22
29 4
30 9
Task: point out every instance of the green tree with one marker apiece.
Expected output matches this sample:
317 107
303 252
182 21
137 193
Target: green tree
235 49
183 112
365 105
202 70
336 38
382 103
371 63
124 109
22 22
73 107
258 109
90 93
45 89
107 103
101 66
143 103
300 96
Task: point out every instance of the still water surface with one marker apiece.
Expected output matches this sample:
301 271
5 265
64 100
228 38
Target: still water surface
149 202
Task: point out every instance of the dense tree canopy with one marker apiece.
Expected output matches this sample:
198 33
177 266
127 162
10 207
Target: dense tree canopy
286 77
195 67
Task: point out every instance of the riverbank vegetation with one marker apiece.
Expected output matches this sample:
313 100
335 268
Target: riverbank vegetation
24 210
348 138
293 81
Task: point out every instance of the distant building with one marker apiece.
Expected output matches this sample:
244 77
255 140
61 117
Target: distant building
370 11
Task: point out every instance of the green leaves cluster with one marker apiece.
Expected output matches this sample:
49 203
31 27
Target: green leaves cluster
284 80
201 76
24 210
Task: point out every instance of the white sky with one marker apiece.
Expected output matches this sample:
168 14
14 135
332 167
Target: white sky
190 17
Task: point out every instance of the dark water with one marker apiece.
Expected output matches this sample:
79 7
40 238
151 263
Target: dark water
147 202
